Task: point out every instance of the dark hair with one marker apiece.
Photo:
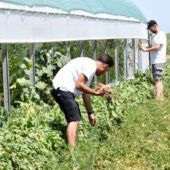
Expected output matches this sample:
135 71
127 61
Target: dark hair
151 23
106 59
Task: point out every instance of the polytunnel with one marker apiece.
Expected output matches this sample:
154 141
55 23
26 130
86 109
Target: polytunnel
39 21
69 20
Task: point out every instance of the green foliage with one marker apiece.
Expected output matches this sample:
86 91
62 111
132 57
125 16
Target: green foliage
27 139
142 142
48 62
17 53
21 88
32 136
49 58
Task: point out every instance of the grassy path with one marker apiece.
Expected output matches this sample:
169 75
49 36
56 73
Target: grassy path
142 142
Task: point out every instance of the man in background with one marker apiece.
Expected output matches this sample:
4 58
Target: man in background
158 56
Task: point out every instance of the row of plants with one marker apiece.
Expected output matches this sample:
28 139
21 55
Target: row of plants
32 136
49 59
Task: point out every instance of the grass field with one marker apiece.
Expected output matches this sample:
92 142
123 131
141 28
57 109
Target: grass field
32 136
142 142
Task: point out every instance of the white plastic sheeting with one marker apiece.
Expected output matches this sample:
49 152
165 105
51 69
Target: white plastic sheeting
27 25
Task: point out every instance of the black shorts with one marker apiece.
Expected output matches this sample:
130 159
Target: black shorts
157 71
68 105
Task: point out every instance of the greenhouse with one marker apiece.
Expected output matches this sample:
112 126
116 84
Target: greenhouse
50 21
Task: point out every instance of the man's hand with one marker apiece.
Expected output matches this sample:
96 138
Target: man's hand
106 90
81 85
92 119
99 92
101 86
149 49
102 89
142 48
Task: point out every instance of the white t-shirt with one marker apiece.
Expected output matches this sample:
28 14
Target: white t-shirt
68 75
159 56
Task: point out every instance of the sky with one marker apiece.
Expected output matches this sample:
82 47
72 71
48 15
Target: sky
158 10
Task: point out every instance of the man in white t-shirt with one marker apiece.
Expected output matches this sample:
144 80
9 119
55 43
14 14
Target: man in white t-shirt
74 80
158 56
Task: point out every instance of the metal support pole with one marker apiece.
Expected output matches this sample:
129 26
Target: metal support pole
94 57
133 55
149 45
136 55
106 52
125 58
32 57
130 59
82 48
68 53
116 63
140 58
6 83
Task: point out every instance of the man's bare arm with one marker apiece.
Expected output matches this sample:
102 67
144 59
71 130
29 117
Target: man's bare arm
80 84
89 109
149 49
87 102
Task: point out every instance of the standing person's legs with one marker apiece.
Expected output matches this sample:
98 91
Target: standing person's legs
72 133
157 70
159 90
70 107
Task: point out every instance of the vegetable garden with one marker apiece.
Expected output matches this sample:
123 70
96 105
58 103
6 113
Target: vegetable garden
132 131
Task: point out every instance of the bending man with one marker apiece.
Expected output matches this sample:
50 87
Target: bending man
74 80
